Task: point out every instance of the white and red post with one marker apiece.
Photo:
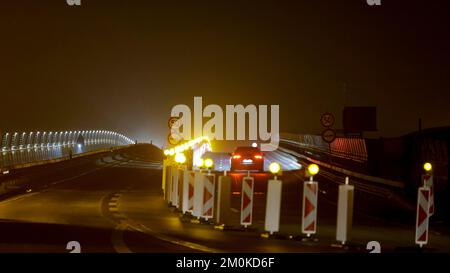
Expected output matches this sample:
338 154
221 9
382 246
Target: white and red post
247 200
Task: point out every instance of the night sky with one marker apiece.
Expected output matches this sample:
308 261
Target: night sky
122 65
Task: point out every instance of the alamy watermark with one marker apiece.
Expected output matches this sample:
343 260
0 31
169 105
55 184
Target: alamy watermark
258 126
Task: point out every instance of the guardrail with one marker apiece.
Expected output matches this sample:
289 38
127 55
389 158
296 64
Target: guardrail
348 148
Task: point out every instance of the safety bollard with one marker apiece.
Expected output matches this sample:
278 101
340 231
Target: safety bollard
309 207
223 204
198 195
273 206
247 200
345 212
422 216
208 196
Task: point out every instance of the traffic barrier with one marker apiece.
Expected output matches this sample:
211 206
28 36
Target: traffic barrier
174 186
273 206
309 208
179 191
422 216
198 195
223 204
428 182
188 191
345 212
208 196
247 200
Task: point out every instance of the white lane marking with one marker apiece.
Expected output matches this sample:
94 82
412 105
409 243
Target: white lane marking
117 238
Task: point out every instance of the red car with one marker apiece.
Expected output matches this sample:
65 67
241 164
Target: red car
247 159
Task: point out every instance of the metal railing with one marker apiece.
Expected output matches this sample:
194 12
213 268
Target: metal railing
24 147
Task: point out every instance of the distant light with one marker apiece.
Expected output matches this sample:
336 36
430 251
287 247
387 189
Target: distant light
254 145
427 166
209 163
313 169
274 167
79 145
180 158
166 152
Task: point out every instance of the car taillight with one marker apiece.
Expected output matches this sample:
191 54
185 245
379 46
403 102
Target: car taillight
258 156
236 156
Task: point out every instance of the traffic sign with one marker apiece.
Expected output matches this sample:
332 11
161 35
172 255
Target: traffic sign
172 121
173 140
328 135
327 120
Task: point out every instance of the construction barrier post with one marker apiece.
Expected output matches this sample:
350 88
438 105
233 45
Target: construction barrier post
174 194
198 195
223 204
247 200
422 215
188 191
273 206
164 174
428 182
345 212
208 196
309 207
179 192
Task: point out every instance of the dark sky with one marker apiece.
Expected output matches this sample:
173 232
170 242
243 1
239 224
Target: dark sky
122 65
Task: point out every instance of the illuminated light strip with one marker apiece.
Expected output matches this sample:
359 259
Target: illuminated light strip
185 146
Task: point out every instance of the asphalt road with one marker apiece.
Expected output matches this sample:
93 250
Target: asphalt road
112 202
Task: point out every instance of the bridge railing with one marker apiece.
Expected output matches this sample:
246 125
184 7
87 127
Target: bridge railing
348 148
25 147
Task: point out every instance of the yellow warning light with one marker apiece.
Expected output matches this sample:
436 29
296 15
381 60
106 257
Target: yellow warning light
274 167
180 158
209 163
427 166
166 152
199 162
313 169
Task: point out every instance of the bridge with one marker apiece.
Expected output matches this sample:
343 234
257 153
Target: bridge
110 194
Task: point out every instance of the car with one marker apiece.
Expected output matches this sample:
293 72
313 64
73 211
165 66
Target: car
247 159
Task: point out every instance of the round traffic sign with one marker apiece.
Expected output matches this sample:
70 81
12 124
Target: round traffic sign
173 139
172 121
327 120
328 135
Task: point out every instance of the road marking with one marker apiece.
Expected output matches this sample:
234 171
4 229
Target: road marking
117 238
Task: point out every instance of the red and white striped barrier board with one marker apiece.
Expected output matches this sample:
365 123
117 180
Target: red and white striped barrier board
208 196
309 208
423 207
198 195
188 191
247 201
191 191
428 182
